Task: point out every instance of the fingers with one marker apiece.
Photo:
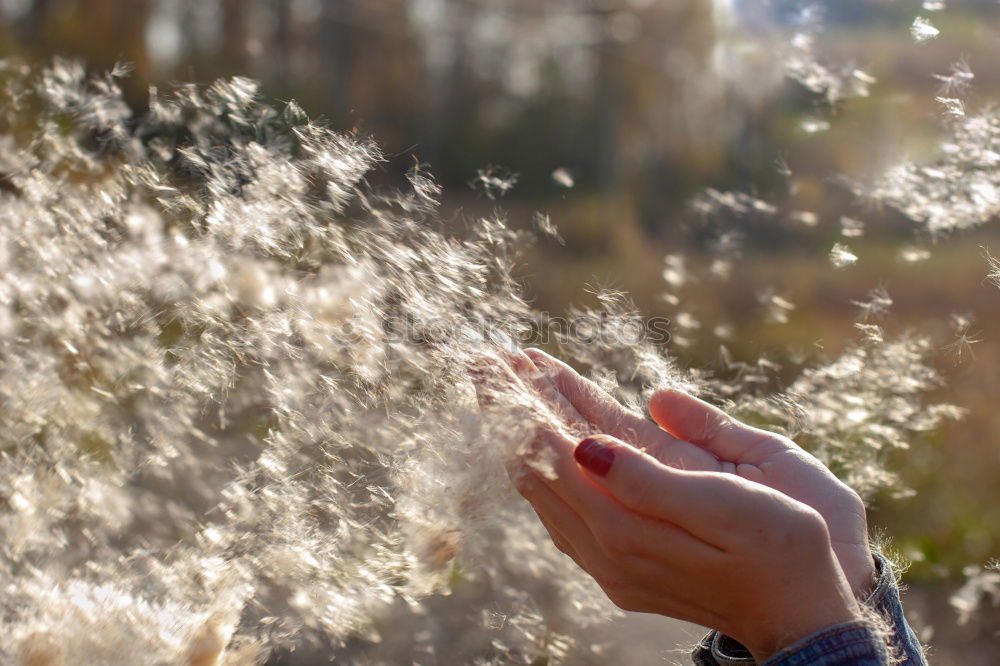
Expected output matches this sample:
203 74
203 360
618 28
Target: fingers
525 368
608 416
710 506
603 536
593 403
625 576
566 480
513 374
490 378
614 527
688 418
568 531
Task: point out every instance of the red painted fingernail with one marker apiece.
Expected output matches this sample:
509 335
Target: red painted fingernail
594 456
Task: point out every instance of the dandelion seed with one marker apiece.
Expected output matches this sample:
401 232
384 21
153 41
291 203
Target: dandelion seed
494 181
841 256
994 266
494 619
851 228
563 178
256 302
980 586
835 83
713 202
961 348
934 5
675 271
721 268
121 70
544 225
814 125
776 308
728 244
952 106
873 333
864 78
723 331
922 30
912 255
957 80
876 307
687 321
815 404
804 217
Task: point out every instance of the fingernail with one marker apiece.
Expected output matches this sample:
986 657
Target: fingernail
594 456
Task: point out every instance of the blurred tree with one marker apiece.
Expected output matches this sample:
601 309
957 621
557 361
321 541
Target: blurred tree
334 46
101 32
234 34
35 18
284 48
622 93
674 128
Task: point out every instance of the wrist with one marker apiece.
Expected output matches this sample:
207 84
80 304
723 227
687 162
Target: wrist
812 616
867 581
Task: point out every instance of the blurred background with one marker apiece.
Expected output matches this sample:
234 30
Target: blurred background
611 119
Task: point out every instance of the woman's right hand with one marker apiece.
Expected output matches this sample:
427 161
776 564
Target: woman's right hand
707 547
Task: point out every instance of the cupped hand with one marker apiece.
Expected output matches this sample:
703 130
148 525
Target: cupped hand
692 435
707 547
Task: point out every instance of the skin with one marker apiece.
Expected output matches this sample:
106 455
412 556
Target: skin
700 517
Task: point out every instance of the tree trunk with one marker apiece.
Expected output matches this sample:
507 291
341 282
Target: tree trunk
335 46
234 35
284 48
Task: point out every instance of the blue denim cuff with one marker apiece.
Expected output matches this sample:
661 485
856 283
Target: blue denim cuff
717 649
884 600
855 643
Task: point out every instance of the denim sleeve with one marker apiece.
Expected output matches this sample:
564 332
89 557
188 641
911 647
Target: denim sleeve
856 643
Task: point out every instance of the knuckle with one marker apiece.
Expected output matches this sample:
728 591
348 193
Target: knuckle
726 487
727 494
854 501
803 529
713 425
809 522
785 441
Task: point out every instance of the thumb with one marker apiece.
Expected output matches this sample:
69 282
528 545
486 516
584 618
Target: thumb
686 417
